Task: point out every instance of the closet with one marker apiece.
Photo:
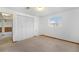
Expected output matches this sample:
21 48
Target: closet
23 27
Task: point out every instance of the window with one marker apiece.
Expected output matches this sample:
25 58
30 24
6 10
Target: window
55 21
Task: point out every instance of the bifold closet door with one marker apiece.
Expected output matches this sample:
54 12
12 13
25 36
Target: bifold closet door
28 27
23 27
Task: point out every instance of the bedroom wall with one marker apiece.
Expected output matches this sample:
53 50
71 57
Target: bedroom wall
69 29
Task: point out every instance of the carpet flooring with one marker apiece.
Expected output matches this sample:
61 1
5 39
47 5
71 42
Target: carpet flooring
39 44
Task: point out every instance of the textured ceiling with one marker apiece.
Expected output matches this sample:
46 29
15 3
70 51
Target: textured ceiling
47 11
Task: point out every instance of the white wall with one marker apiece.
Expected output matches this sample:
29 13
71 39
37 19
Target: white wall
70 26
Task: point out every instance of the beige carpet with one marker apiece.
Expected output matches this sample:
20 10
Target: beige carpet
6 40
40 44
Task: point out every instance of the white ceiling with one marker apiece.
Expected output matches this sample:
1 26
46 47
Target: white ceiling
45 12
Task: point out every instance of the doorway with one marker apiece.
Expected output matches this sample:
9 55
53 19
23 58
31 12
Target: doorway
6 24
